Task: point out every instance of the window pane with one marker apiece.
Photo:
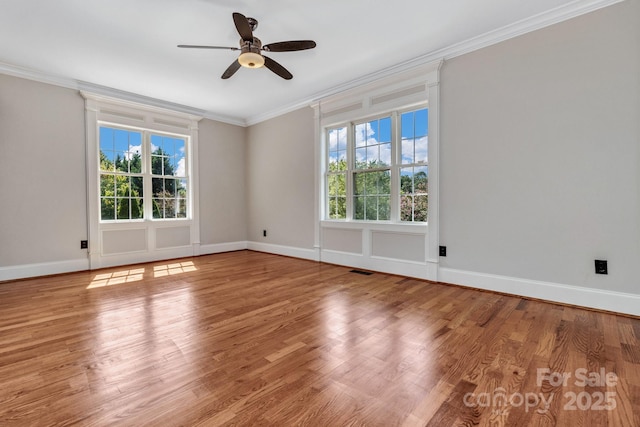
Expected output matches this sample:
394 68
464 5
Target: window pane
157 185
121 140
371 207
158 208
361 131
359 183
122 186
136 186
332 185
333 207
358 208
169 188
384 182
384 133
421 123
181 209
107 208
169 208
406 125
122 165
420 179
421 207
107 185
406 180
384 208
137 208
414 182
135 163
333 161
342 138
107 160
106 139
407 151
135 142
179 166
422 149
385 154
168 146
181 190
156 144
373 157
341 207
406 208
122 208
361 158
179 148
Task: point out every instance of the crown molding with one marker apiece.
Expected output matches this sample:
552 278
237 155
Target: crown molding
536 22
545 19
82 86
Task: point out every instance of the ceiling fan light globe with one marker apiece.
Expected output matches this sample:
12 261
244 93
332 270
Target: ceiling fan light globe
251 60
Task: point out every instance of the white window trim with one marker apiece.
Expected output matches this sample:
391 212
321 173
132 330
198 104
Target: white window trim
103 110
405 90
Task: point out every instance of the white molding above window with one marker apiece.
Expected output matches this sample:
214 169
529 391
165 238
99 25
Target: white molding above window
117 243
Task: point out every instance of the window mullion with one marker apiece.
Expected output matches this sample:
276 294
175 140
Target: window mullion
350 169
146 171
395 170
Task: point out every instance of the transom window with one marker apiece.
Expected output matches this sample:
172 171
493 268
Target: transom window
377 170
143 174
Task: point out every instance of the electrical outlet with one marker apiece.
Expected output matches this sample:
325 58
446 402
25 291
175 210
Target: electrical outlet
264 233
443 251
601 266
84 244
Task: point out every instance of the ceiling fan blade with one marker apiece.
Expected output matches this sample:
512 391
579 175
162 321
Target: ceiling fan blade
289 46
243 26
235 66
277 68
193 46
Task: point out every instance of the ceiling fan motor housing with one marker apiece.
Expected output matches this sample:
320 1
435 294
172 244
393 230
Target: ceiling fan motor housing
250 56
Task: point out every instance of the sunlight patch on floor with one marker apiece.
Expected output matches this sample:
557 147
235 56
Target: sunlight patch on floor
116 278
173 268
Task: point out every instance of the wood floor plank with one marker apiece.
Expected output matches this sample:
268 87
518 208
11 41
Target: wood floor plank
247 338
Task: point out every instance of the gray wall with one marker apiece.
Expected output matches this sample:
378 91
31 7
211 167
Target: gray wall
280 180
43 208
42 173
540 153
221 165
540 162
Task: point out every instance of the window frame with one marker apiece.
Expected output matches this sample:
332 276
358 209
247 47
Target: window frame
394 167
147 174
118 242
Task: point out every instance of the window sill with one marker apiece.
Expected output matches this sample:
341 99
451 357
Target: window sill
376 225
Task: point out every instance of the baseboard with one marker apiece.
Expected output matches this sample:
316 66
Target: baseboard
419 270
43 269
566 294
311 254
217 248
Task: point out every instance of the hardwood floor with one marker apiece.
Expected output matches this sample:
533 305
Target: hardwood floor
248 339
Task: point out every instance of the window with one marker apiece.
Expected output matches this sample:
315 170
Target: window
413 170
143 174
377 169
337 173
169 179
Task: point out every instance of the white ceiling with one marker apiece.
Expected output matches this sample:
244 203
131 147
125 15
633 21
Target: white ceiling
130 45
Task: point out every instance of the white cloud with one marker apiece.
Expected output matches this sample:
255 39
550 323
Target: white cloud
181 171
134 149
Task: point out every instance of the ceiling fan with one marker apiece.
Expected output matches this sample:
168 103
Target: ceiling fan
250 48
